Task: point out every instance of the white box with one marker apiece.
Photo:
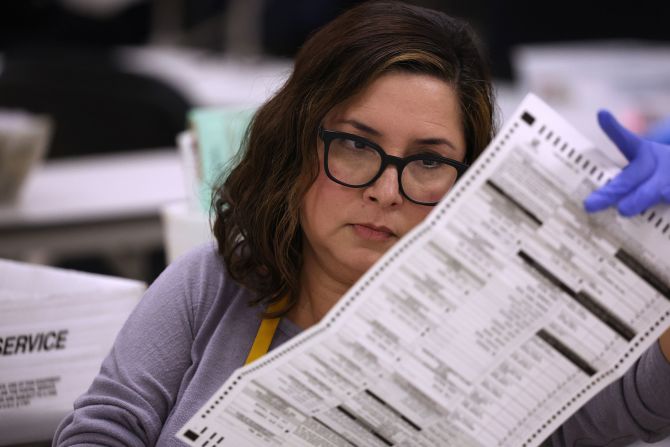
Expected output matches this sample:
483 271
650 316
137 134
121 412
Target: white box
56 327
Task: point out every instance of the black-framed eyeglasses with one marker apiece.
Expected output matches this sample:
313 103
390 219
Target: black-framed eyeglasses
356 162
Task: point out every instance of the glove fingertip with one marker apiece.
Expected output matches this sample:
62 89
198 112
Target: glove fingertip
624 139
644 197
628 209
604 115
665 194
597 202
608 121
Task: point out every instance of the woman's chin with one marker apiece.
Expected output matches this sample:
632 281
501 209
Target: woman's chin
362 261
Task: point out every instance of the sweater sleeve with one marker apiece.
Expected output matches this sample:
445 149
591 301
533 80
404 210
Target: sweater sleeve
138 382
635 407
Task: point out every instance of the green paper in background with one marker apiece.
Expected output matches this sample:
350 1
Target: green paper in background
219 132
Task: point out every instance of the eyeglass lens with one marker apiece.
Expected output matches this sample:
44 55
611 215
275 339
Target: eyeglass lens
356 164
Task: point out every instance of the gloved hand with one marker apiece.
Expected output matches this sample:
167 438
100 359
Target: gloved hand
660 131
643 183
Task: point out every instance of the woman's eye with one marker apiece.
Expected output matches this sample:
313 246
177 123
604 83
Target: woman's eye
354 144
359 145
429 163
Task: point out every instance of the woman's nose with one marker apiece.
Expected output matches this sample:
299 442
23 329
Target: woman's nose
386 189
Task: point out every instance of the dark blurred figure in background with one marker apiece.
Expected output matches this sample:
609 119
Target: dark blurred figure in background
53 22
502 24
288 23
283 25
512 22
58 60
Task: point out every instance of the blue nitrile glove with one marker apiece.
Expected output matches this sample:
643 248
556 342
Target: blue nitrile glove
643 183
660 131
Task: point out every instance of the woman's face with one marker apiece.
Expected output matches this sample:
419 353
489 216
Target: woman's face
347 229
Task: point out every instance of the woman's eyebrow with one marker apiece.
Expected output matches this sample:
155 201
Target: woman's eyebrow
374 132
362 127
435 142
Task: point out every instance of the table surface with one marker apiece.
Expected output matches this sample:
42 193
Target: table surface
103 205
209 79
97 188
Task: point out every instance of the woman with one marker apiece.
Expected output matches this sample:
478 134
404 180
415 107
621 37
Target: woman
294 232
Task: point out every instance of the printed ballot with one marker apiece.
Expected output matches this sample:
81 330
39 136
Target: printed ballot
56 326
488 325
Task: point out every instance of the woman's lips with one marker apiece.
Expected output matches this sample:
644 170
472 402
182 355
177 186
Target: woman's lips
372 232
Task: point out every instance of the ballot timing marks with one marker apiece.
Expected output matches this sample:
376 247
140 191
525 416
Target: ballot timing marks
37 342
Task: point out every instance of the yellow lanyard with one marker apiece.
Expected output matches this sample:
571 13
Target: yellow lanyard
265 334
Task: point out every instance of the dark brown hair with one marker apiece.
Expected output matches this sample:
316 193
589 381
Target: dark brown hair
258 206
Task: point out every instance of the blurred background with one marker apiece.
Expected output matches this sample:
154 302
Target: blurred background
116 116
117 80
